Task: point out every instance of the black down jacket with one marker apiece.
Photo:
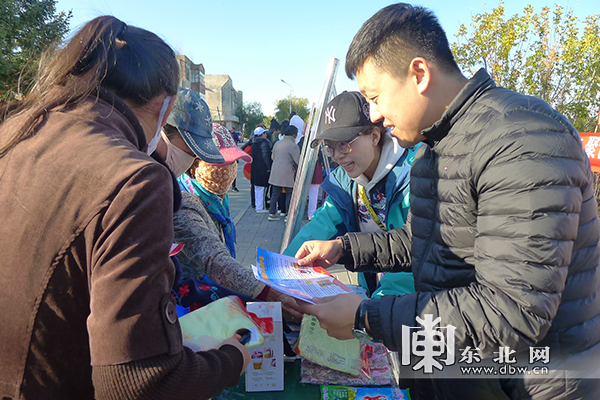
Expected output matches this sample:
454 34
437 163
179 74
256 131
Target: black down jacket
502 239
261 161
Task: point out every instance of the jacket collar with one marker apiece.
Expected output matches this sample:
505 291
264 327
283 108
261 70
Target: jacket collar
390 154
478 84
137 137
140 138
341 188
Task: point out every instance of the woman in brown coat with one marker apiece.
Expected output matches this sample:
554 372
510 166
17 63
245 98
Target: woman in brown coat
87 224
286 155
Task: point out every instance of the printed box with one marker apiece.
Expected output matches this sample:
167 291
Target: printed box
331 392
265 371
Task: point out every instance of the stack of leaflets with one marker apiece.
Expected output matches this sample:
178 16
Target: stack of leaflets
302 282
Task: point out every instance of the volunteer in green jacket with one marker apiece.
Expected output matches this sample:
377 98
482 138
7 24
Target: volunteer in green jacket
368 192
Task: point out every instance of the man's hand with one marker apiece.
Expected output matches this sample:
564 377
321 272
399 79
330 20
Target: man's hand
235 342
335 313
289 306
325 253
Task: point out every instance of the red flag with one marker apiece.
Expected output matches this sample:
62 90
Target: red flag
591 145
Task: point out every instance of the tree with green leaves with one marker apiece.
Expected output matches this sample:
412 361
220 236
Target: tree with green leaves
552 54
298 104
250 115
27 29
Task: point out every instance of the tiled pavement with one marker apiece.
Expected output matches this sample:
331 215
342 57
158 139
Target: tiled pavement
255 230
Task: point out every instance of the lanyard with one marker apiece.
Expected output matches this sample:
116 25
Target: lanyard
372 213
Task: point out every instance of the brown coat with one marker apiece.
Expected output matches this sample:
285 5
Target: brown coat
85 274
286 155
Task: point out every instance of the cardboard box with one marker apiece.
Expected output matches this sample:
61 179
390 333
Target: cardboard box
265 371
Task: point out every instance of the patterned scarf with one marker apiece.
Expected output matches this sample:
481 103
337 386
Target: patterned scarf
215 178
216 207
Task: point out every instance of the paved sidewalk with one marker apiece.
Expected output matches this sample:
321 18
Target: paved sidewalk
255 230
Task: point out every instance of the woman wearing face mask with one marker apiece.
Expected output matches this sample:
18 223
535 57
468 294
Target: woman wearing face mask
85 306
204 226
368 192
188 134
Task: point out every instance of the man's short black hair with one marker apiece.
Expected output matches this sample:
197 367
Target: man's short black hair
397 34
290 130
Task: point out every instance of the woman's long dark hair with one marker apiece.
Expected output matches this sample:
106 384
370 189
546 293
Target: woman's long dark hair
134 64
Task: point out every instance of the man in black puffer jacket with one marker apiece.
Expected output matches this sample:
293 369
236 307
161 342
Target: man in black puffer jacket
503 235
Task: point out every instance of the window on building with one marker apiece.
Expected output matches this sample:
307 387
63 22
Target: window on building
195 76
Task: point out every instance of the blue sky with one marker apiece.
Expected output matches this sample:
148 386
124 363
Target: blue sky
259 43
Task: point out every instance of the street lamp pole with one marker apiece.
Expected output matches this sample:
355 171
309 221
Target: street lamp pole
291 91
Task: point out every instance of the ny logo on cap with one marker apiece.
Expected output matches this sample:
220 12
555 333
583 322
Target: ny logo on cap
366 109
330 115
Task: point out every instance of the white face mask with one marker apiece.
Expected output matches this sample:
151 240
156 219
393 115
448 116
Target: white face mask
154 141
178 160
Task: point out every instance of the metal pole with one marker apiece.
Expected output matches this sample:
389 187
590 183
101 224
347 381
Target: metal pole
308 159
291 91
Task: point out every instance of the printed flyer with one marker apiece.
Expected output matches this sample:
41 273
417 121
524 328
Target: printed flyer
302 282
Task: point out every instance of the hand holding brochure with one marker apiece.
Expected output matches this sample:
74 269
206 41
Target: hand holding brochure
302 282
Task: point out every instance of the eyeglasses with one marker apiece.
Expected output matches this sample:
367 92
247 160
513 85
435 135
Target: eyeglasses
341 147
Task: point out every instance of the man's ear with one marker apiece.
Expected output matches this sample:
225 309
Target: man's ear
419 72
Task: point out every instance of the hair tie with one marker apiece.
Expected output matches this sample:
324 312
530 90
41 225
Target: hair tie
119 41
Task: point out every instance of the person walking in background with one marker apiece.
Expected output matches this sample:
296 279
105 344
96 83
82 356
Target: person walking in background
315 185
247 148
260 167
296 121
237 136
286 156
274 131
317 177
86 310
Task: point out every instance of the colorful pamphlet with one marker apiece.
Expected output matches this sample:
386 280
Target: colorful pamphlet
329 392
302 282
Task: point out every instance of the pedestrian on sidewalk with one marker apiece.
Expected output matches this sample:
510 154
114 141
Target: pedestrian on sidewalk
315 183
274 131
286 156
260 167
236 138
298 122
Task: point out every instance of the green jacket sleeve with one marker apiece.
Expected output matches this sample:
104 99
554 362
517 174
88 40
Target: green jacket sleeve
326 224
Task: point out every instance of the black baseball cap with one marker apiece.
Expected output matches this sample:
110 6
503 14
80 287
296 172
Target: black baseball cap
346 115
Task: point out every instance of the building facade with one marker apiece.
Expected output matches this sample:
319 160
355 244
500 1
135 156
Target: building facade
192 75
224 101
